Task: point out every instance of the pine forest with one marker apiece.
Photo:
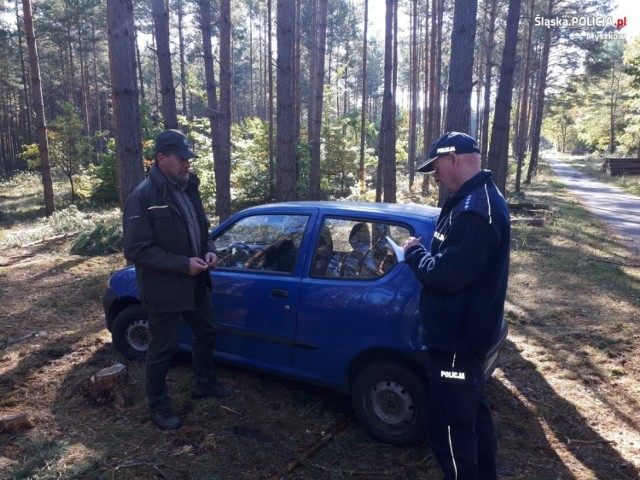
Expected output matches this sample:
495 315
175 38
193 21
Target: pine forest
307 99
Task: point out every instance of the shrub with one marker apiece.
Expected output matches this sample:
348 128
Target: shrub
102 240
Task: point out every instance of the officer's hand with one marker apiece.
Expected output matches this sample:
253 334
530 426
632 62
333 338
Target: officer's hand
411 242
211 259
197 266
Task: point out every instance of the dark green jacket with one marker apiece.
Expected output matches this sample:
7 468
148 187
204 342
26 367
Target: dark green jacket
156 240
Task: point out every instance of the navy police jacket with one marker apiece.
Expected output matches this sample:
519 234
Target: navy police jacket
465 273
156 239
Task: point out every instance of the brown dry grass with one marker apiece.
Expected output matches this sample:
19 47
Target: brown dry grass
565 399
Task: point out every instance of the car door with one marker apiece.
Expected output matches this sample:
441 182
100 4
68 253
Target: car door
256 287
357 296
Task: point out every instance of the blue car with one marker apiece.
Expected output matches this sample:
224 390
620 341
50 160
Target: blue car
314 291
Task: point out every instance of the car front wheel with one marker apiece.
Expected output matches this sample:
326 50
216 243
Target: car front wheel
390 401
130 332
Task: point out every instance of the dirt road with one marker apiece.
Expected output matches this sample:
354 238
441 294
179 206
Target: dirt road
618 209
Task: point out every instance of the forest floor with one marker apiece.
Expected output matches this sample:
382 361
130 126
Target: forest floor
565 399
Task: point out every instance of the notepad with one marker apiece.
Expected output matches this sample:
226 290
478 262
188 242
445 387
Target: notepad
397 249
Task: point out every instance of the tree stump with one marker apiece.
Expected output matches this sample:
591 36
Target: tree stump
107 385
15 422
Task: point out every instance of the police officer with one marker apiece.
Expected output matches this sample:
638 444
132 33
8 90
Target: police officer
464 277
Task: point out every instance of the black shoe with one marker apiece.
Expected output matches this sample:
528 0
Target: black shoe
217 391
166 420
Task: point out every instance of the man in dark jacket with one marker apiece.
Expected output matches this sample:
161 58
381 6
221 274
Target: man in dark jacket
464 276
166 236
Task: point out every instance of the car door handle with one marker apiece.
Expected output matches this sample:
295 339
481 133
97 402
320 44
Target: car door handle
279 293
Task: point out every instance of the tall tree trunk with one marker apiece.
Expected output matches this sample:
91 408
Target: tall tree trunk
363 112
272 191
540 99
413 87
499 148
252 108
432 129
488 78
297 98
183 64
385 188
523 125
463 37
72 69
286 172
97 110
139 62
222 163
167 89
126 109
613 99
38 107
84 102
318 94
313 59
390 167
28 134
210 81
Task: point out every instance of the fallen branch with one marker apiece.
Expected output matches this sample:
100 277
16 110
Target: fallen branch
65 284
587 442
315 448
529 206
16 257
229 409
51 239
142 463
358 473
614 262
10 341
133 464
532 222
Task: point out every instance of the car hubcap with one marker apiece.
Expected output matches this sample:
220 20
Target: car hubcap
138 335
392 403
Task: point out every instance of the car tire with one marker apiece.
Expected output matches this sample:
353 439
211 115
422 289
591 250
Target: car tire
130 332
390 402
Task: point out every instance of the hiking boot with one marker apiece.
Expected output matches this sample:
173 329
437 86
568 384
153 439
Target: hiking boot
216 391
166 420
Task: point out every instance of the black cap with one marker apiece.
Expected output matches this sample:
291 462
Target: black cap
452 142
174 141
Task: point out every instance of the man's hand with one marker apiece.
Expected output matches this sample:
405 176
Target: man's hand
197 266
211 259
411 242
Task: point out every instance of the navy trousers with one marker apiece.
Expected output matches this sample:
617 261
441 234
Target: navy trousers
163 327
460 431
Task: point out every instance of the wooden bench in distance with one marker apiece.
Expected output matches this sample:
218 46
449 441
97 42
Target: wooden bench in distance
621 166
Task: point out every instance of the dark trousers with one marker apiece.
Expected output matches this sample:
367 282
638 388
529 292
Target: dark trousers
163 327
460 431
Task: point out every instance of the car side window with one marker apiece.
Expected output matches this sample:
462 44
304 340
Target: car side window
262 242
355 249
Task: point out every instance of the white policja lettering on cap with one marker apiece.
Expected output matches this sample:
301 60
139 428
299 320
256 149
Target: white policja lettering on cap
445 150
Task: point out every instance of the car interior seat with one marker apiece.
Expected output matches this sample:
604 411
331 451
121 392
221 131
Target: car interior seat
382 256
359 262
324 252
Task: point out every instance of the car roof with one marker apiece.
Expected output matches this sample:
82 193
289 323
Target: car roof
338 207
